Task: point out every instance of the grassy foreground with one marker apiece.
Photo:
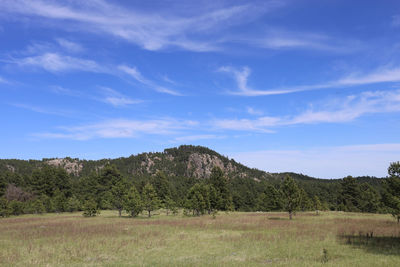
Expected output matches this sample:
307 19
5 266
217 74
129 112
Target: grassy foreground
238 239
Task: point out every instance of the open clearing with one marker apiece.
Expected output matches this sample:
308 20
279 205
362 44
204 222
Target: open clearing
239 239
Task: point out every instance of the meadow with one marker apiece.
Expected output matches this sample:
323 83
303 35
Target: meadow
229 239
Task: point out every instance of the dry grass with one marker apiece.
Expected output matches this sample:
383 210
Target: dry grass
239 239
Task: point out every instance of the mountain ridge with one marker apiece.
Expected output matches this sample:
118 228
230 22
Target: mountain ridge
185 160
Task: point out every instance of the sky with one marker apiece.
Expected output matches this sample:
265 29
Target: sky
307 86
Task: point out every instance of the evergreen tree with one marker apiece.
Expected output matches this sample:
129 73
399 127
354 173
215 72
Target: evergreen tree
196 200
391 196
291 196
305 201
220 183
108 177
350 194
5 209
369 200
90 208
38 206
132 202
162 186
3 185
73 204
118 191
170 205
317 204
150 199
60 201
17 207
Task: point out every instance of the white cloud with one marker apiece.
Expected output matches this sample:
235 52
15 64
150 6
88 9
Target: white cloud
283 39
332 111
134 73
325 162
120 128
191 138
253 111
152 31
117 99
381 75
70 46
54 62
2 80
43 110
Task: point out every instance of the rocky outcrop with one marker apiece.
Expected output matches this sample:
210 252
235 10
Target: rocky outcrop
200 165
69 165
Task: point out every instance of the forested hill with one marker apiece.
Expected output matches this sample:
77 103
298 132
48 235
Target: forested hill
184 161
182 167
188 161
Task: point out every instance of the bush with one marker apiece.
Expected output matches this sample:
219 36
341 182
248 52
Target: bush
90 208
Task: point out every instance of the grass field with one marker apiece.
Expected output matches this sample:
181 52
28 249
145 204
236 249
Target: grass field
234 239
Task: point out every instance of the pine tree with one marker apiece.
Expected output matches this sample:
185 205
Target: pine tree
350 194
317 204
196 200
118 192
90 208
220 183
150 199
291 196
132 202
162 186
170 205
5 209
391 197
369 199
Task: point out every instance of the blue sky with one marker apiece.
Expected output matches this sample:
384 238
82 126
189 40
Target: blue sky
307 86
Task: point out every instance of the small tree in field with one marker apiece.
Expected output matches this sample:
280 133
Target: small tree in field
118 191
132 202
317 204
150 199
391 197
170 205
291 196
5 210
90 208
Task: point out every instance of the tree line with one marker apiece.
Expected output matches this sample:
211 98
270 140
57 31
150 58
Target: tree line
51 189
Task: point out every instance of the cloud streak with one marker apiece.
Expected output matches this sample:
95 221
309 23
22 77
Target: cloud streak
355 160
151 31
120 128
336 111
241 76
54 62
135 74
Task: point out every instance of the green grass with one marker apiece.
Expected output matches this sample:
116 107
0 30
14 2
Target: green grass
234 239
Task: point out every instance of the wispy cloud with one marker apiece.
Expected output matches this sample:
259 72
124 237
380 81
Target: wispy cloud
241 76
191 138
134 73
281 39
333 111
355 160
69 45
253 111
116 98
152 31
2 80
120 128
54 62
43 110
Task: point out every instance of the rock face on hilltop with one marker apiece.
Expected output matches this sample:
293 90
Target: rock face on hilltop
200 165
72 166
188 161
